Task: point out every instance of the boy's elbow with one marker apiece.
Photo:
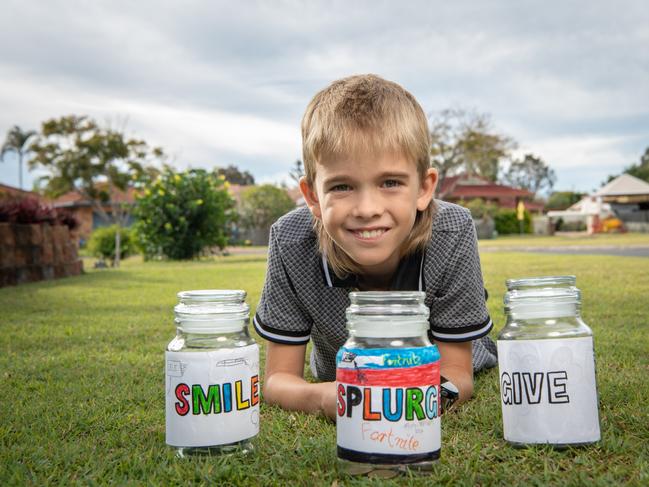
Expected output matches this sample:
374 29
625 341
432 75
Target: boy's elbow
466 391
268 390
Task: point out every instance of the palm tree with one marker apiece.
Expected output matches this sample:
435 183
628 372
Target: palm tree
16 141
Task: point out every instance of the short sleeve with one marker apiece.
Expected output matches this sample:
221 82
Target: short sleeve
458 309
280 316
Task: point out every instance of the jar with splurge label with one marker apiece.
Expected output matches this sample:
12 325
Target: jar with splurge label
212 375
388 386
547 365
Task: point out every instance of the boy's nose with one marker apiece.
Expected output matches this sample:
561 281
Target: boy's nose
368 205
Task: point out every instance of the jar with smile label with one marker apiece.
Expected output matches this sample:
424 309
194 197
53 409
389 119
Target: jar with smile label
212 375
546 365
388 386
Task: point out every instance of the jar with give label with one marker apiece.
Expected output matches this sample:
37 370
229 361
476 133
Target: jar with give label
212 375
547 365
388 386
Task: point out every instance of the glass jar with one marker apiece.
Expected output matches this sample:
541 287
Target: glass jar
388 386
546 365
212 375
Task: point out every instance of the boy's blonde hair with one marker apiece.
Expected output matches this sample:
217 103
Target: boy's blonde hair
366 114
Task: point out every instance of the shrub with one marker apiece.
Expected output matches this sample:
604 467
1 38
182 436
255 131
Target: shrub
31 211
102 242
262 205
570 226
507 223
181 214
480 209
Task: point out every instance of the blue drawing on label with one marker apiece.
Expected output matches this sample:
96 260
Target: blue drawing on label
386 358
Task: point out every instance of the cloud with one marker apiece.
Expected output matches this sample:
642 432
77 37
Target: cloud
226 83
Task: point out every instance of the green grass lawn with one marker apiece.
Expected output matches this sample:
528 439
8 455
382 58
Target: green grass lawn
567 239
83 385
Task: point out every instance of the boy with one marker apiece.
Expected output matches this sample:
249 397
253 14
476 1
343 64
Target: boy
371 224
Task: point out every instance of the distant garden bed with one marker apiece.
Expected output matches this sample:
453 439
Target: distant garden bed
35 244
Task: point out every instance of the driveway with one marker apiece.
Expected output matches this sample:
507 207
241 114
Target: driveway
622 251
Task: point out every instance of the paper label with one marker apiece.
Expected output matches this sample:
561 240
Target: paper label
212 398
548 390
388 404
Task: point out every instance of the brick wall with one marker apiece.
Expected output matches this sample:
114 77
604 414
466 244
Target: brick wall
36 252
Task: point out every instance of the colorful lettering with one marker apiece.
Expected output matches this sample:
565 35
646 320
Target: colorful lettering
241 404
432 402
419 403
340 403
368 414
227 397
254 390
387 404
206 403
218 398
182 407
414 396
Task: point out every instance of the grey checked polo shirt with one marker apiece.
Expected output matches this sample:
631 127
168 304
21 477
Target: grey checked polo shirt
304 300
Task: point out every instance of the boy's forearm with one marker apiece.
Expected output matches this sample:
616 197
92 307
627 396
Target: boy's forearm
462 379
296 394
457 366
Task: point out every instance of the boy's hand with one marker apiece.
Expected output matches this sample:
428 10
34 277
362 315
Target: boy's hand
285 386
328 403
457 366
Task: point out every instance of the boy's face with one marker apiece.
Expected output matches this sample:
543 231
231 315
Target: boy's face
368 204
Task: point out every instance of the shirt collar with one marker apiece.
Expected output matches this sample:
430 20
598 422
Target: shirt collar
408 277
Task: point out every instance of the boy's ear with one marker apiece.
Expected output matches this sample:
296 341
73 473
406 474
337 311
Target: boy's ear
427 189
311 197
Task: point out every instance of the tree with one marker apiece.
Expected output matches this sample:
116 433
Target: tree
297 172
16 141
234 176
530 173
96 162
463 141
484 150
560 200
640 170
181 214
262 205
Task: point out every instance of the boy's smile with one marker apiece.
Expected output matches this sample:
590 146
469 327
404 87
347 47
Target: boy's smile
368 204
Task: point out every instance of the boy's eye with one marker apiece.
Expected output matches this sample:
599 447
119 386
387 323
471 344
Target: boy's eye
391 183
340 187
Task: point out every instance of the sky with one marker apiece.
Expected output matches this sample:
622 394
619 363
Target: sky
217 83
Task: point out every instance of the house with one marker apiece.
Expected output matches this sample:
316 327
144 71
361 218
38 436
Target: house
87 215
628 197
625 197
465 187
585 214
7 191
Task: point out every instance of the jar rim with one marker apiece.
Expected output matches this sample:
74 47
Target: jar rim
213 295
557 295
387 313
387 303
541 282
372 299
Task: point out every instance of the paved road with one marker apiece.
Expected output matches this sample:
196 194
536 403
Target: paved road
622 251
